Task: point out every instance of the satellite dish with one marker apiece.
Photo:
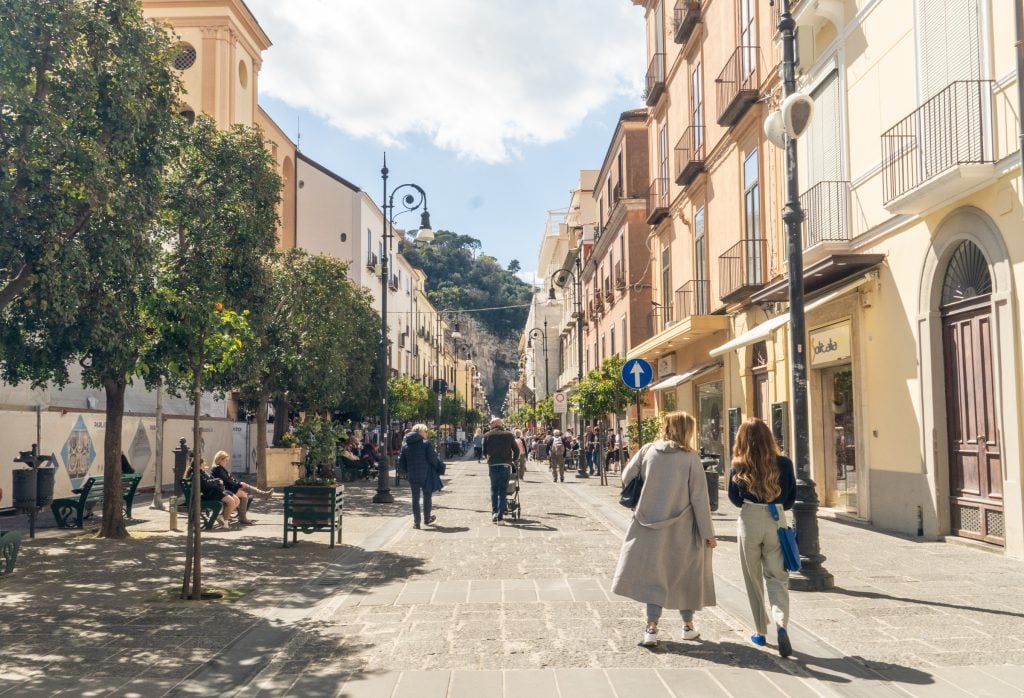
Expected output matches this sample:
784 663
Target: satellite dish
797 110
774 129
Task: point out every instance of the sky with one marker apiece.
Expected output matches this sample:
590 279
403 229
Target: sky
492 106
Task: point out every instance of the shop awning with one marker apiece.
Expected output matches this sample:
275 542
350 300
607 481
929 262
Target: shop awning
673 381
766 328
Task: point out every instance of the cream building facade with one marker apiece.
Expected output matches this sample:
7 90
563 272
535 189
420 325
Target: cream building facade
911 185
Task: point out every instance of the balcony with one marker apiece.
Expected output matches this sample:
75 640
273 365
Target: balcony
940 150
737 85
690 155
393 282
609 296
693 299
742 269
657 201
687 14
826 225
372 261
655 79
620 277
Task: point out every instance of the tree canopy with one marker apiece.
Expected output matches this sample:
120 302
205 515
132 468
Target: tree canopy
602 392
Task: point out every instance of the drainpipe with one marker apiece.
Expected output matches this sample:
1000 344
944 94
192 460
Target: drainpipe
1018 15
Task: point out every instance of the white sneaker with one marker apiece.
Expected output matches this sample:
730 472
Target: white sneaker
650 638
690 633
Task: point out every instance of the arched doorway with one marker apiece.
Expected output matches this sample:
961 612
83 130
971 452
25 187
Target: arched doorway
972 416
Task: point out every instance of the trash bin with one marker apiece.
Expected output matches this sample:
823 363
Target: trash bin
44 487
24 482
710 462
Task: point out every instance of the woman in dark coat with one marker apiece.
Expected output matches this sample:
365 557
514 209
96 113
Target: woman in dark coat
419 460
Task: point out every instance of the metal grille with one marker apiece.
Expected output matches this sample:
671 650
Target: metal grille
186 57
994 524
970 519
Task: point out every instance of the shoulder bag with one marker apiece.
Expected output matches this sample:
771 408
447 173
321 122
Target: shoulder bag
787 539
630 496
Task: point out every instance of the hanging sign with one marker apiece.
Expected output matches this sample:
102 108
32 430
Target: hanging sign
830 344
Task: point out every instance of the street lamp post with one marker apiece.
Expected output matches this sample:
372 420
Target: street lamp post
812 576
416 198
537 332
560 279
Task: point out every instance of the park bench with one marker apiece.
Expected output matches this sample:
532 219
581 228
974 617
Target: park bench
70 512
10 542
313 508
209 509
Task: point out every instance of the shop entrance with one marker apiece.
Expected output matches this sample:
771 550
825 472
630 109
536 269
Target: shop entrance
840 439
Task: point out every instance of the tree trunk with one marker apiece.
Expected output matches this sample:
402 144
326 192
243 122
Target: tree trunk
261 441
113 500
195 519
280 419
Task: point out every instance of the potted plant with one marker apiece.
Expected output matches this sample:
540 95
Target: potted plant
314 502
320 437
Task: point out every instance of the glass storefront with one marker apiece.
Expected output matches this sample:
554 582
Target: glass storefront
709 418
840 439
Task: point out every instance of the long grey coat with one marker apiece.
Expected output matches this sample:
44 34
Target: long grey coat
664 559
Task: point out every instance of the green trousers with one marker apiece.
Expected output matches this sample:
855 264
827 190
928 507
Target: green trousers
761 558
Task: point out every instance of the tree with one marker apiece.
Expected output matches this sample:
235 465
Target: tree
78 249
409 399
544 410
220 208
602 391
650 427
86 92
513 266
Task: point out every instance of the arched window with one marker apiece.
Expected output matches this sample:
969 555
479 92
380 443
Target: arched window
967 275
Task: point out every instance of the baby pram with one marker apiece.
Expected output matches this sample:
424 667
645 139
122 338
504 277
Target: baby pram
512 506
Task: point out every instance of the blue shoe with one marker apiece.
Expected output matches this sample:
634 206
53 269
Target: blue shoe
785 647
758 640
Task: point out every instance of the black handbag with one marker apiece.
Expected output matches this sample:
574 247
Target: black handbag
630 496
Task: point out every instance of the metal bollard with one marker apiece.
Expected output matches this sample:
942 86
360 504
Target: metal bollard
174 513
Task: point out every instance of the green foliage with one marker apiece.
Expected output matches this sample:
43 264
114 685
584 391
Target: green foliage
521 417
320 437
452 410
602 391
473 418
87 94
649 428
459 279
408 399
544 411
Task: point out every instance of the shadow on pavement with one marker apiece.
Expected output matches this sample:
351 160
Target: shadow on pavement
923 602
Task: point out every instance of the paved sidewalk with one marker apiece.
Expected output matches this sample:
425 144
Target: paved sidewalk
467 608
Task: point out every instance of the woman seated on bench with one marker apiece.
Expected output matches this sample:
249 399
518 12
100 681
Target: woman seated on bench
242 490
211 488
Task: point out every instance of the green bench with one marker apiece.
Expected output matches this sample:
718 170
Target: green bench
10 542
70 512
209 509
313 508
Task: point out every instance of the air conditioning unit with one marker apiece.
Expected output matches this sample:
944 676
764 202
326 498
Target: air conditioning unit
666 366
589 232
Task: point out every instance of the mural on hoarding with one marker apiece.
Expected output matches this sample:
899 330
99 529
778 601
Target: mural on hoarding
78 453
140 452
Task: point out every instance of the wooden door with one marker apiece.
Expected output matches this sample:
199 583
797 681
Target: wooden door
975 463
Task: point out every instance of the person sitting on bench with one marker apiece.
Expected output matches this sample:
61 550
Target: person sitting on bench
242 490
214 488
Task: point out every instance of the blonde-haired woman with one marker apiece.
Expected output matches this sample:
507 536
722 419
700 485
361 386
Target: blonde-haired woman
665 560
242 490
761 476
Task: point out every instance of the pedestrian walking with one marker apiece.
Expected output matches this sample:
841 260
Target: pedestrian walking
557 461
478 443
521 452
761 480
500 448
419 461
590 442
665 561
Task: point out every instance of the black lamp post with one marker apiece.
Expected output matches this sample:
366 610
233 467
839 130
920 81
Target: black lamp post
537 332
560 279
812 576
411 201
440 384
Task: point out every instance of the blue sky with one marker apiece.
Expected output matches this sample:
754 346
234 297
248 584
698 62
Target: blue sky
494 116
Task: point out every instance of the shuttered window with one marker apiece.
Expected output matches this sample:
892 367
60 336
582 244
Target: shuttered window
949 40
824 138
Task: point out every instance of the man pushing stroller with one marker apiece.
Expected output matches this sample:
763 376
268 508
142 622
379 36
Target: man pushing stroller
502 453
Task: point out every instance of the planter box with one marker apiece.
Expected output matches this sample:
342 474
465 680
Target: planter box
281 468
312 508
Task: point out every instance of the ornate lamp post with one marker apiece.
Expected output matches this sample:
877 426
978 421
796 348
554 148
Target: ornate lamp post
560 279
415 199
812 576
538 333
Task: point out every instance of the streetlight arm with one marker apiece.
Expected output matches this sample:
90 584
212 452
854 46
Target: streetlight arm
409 202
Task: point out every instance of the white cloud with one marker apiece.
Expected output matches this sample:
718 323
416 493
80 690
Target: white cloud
478 77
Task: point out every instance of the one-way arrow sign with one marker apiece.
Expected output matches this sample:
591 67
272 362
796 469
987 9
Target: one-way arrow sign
637 374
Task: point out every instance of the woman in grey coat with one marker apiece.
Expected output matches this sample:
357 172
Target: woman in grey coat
665 560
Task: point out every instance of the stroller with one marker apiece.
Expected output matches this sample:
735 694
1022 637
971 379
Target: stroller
512 506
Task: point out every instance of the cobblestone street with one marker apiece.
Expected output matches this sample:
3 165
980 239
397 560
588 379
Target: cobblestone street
467 608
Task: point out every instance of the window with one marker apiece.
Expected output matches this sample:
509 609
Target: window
625 340
748 38
622 253
659 27
663 159
752 217
700 260
823 137
949 44
600 214
186 57
666 284
604 347
611 199
697 107
611 348
622 186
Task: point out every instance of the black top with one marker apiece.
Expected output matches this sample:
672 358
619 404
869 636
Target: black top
230 483
787 481
500 447
418 458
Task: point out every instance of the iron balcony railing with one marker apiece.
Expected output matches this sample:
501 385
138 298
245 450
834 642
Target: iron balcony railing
737 85
687 14
616 193
655 79
371 261
950 129
657 200
690 155
659 320
742 268
620 277
693 298
393 283
826 208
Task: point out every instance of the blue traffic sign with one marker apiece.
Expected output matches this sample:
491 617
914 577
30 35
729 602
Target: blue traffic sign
637 374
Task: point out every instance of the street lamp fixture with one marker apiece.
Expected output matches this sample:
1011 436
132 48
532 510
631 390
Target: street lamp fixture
561 278
537 332
414 198
812 576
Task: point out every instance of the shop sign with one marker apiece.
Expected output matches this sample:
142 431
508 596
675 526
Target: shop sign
830 344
